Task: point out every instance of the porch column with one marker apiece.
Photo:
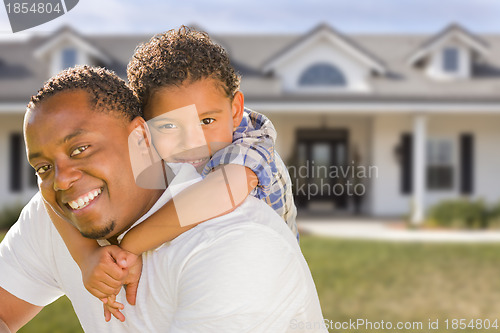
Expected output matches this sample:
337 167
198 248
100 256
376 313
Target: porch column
419 168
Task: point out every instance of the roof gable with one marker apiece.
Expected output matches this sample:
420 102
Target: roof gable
450 32
67 34
336 38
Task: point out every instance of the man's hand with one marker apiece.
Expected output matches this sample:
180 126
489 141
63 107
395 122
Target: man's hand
3 327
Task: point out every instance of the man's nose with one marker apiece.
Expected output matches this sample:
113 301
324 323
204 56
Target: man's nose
65 175
193 137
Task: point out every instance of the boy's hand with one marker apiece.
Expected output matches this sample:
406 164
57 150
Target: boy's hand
132 264
102 274
112 307
131 282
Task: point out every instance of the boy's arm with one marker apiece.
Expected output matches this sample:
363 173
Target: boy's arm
252 150
220 192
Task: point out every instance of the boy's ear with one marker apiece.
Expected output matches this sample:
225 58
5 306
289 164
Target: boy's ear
237 106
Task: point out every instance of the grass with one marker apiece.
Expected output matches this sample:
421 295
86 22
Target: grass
396 282
402 282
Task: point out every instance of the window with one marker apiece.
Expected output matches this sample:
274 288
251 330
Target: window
439 164
68 58
322 75
450 60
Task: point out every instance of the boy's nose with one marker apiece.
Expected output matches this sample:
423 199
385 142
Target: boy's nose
193 137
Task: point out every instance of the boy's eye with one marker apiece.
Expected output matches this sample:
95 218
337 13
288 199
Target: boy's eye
43 169
207 121
166 126
79 150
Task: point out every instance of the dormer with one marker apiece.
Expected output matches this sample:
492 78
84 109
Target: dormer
449 55
324 61
66 48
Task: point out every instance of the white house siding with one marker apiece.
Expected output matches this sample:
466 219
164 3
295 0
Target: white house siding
386 135
387 198
12 123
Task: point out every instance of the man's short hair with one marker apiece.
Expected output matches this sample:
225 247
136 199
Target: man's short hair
176 56
107 92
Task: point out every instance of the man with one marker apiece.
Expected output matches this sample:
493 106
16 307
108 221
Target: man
239 272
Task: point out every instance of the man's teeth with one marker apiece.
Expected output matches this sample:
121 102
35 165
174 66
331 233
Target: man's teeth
85 200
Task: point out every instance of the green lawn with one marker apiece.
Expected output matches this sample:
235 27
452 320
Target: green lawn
401 282
396 282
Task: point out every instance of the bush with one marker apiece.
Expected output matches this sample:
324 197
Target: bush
9 215
462 214
494 216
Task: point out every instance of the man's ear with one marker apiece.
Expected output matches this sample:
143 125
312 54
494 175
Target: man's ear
141 128
237 106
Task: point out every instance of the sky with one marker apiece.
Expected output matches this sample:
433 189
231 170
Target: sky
272 16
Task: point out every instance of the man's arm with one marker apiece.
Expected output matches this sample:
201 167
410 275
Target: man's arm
14 312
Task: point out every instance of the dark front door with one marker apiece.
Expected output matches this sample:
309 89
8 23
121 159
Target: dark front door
320 156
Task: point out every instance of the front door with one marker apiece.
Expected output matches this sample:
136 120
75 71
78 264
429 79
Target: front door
319 156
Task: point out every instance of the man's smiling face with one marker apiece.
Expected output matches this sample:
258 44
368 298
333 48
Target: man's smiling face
82 161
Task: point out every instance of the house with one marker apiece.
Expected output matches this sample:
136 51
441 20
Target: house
385 125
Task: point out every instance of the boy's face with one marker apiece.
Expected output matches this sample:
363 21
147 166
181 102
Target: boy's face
82 161
188 123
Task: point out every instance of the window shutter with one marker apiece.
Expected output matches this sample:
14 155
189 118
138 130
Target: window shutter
15 162
406 163
466 163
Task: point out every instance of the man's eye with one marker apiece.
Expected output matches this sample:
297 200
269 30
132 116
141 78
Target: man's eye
43 169
207 121
79 150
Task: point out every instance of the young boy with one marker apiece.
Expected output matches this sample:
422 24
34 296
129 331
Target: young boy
180 76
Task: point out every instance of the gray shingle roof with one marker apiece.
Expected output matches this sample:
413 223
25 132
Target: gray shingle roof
21 74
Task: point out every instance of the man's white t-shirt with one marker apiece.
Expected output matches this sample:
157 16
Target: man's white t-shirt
241 272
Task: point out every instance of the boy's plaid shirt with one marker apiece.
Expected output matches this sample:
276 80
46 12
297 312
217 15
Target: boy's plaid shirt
253 147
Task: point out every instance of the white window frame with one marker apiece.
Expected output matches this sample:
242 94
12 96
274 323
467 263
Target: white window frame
443 58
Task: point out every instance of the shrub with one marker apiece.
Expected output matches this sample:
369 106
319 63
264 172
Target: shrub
494 216
459 214
9 215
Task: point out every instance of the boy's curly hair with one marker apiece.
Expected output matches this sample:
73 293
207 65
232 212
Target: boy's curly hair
175 56
107 92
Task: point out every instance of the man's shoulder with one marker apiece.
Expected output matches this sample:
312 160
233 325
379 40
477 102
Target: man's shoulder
34 219
252 221
35 208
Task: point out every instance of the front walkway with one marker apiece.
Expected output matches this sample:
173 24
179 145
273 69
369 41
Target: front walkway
380 229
